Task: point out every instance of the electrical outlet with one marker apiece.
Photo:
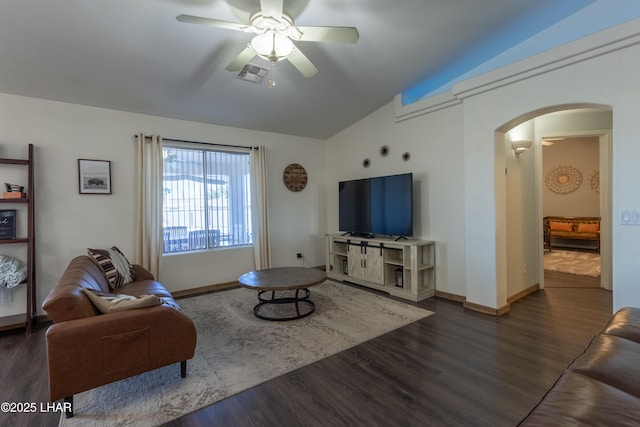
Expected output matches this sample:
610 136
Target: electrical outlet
299 255
7 296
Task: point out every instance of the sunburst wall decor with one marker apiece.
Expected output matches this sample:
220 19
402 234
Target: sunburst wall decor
563 179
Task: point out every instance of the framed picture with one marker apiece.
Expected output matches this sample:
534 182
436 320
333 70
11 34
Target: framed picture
7 224
94 176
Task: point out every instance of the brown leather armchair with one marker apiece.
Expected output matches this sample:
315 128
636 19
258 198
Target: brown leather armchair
87 349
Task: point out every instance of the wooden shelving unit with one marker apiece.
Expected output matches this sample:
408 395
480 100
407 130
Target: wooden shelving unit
27 319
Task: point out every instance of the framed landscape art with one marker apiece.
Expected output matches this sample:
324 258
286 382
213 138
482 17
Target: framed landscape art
94 176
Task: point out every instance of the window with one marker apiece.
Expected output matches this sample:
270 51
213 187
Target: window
206 199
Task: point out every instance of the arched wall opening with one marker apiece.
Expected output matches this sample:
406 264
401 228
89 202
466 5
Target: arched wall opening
519 181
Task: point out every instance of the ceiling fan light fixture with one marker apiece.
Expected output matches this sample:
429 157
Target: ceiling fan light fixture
275 32
261 24
272 46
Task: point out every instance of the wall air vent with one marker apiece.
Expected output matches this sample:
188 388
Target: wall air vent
252 73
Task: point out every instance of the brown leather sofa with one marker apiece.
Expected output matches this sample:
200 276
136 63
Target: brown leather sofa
602 386
87 349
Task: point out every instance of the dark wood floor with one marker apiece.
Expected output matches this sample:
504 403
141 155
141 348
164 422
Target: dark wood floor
555 279
457 367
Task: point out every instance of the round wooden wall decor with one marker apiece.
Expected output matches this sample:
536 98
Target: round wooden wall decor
294 177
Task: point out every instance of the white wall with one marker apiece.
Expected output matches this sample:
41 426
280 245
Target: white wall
68 223
521 211
462 137
436 153
501 101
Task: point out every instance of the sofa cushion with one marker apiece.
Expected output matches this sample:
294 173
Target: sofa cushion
625 324
117 269
574 235
560 226
144 287
110 303
577 400
611 360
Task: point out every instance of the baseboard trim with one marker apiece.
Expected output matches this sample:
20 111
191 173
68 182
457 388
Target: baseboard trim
450 297
445 295
186 293
202 290
473 306
487 310
523 293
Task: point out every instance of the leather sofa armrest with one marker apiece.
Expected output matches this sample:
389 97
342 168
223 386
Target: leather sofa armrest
141 273
90 352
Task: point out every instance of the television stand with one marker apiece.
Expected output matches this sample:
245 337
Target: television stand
404 269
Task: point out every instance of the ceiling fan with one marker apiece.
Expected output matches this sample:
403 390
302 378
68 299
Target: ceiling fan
275 33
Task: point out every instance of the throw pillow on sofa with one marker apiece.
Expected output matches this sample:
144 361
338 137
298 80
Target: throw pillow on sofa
560 226
111 303
588 228
115 266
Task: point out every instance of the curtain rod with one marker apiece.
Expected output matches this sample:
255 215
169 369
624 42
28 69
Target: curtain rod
203 143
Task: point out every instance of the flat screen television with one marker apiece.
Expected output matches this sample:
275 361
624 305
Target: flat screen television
377 206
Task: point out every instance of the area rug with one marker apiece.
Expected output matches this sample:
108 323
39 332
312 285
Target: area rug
237 351
584 263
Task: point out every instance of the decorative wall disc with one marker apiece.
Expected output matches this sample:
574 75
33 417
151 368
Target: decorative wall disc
366 163
594 181
384 150
294 177
563 179
406 156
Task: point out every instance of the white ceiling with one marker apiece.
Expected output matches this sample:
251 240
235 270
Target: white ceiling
133 55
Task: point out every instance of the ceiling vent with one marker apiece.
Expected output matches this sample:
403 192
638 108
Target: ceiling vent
252 73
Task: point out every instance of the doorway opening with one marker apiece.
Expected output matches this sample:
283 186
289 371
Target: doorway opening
585 193
571 211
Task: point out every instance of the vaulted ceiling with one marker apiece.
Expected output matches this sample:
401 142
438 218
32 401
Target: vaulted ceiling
135 56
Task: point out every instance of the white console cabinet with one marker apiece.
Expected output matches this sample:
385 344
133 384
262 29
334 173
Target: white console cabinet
404 268
365 263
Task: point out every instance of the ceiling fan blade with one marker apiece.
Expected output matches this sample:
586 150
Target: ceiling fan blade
329 34
189 19
271 8
302 63
241 60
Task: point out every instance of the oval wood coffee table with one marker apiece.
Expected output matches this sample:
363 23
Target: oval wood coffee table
273 280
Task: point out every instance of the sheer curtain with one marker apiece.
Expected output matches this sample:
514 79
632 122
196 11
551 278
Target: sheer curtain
149 203
260 212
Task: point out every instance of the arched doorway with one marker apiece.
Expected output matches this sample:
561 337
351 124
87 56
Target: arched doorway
519 260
